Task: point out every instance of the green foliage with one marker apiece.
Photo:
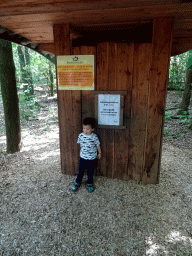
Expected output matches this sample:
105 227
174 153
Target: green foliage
28 106
2 149
184 117
43 72
167 115
40 69
177 71
182 112
172 134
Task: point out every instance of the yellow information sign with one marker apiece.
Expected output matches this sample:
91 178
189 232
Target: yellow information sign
75 72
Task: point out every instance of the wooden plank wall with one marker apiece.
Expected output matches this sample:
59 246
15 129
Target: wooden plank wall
114 72
69 108
161 51
121 66
141 70
139 105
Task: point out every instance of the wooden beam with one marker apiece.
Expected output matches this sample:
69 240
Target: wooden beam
161 51
97 16
35 20
16 7
47 48
181 45
139 99
69 108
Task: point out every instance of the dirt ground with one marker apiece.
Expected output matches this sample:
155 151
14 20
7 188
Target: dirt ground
41 216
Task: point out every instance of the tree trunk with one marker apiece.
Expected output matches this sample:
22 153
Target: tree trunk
28 72
22 63
190 126
10 98
184 106
51 79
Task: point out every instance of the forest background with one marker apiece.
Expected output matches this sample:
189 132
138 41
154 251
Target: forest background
35 75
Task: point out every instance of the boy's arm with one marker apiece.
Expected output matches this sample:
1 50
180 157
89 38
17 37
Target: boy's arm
99 152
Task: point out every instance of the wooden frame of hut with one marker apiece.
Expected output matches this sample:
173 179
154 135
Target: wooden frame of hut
132 42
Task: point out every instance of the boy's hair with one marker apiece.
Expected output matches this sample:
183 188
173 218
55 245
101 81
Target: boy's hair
89 121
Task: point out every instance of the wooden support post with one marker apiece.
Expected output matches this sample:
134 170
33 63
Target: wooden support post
161 51
139 102
69 108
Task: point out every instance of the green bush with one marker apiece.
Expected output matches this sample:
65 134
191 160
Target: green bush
175 86
28 106
167 115
177 71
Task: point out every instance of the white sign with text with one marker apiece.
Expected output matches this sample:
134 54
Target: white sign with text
108 109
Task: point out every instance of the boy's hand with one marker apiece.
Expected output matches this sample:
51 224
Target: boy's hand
99 152
99 156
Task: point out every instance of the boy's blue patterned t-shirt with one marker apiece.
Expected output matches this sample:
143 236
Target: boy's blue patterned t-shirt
88 145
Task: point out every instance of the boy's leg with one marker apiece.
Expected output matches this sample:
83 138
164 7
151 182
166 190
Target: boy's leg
82 168
90 171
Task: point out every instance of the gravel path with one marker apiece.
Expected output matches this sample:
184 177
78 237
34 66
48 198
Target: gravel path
41 216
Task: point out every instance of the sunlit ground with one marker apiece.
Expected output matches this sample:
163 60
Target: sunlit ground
2 140
44 150
173 237
142 204
35 142
45 147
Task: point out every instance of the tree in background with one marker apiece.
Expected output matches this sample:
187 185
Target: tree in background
180 78
42 70
177 71
190 126
184 106
9 96
30 88
25 69
50 79
21 63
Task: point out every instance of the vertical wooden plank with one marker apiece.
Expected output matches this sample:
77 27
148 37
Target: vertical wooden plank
124 75
162 41
111 85
69 108
105 135
88 99
102 66
142 62
76 50
102 78
112 53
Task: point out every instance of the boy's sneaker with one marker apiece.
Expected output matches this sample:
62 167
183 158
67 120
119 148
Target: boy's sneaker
90 188
75 187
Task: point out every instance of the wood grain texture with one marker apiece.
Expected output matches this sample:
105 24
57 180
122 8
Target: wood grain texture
69 109
34 19
140 91
114 73
27 7
161 50
124 77
101 11
106 135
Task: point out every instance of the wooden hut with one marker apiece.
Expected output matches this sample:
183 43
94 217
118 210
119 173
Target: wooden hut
132 42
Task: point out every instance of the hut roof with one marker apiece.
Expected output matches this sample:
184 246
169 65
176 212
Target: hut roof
30 22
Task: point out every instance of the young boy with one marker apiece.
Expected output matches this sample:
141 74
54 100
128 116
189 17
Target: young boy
90 150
